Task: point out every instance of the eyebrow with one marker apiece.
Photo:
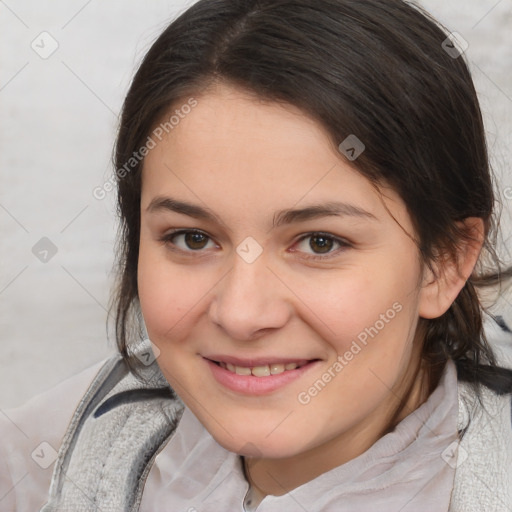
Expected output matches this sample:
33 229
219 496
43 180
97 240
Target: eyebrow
330 209
287 216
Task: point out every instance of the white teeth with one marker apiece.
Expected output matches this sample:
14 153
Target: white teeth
276 368
259 371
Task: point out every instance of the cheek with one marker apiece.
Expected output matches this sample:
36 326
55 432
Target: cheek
374 311
167 295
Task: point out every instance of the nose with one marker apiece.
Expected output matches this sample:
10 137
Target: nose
250 300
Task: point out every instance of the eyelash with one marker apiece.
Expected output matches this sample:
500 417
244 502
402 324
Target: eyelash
167 240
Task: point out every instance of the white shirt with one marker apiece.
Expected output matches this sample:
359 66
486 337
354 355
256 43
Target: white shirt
404 470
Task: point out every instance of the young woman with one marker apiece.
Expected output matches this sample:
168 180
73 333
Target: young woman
306 211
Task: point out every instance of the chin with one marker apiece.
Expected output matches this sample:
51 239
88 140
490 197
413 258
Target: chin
260 446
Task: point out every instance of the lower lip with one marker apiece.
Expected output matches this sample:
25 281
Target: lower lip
251 385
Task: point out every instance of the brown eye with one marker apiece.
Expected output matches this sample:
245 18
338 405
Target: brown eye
321 244
186 241
195 240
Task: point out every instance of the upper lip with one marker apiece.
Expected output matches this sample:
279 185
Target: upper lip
255 361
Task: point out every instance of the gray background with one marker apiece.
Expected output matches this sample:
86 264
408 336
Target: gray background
58 124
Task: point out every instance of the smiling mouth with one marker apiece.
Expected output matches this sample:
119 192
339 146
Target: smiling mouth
262 370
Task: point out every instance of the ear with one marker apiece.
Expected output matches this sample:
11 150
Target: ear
439 289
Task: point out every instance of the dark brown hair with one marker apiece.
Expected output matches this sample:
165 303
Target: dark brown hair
373 68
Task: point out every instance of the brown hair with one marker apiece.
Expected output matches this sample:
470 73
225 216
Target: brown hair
373 68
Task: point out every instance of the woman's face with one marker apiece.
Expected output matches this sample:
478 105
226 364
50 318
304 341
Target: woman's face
261 249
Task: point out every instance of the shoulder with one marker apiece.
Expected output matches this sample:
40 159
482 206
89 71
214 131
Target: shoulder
498 328
31 436
124 419
483 480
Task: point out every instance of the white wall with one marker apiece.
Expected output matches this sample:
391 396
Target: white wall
58 121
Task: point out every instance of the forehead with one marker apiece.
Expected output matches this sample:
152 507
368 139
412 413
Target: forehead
232 123
259 155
